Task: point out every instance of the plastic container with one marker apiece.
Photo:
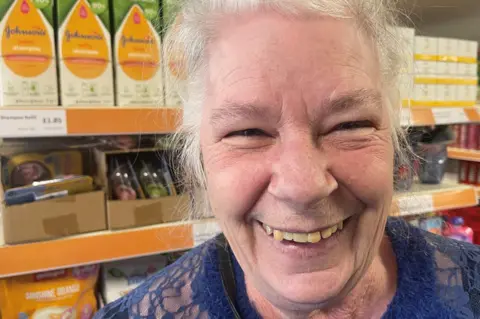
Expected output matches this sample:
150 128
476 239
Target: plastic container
455 229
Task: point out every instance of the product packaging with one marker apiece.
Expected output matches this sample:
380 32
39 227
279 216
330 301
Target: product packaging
28 75
455 229
174 63
140 187
432 224
84 52
121 277
61 294
46 204
138 52
426 51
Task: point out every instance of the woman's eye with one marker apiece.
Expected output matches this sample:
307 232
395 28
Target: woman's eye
253 132
349 126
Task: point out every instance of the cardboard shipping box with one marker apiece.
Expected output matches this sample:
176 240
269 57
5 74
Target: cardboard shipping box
122 214
54 218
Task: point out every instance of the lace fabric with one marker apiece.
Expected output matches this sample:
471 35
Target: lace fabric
437 278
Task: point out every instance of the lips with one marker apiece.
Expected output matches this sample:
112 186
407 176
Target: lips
303 237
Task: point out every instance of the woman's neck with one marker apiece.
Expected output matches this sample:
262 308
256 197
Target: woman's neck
368 299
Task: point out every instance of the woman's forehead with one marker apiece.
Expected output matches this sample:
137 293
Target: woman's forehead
263 56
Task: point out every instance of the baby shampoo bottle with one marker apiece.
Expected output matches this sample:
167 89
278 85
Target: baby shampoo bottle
84 49
28 75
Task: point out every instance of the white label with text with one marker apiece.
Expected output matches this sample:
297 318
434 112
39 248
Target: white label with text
32 123
449 115
415 204
205 231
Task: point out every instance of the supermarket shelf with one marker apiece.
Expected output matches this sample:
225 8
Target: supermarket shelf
116 245
424 198
419 116
464 154
49 122
103 247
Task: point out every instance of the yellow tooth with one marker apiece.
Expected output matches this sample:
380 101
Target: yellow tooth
278 235
334 229
268 229
314 237
288 236
326 233
300 238
340 225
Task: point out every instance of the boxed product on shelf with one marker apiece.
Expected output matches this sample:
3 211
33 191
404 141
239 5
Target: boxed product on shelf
66 293
28 72
121 277
174 66
138 52
45 196
84 53
141 188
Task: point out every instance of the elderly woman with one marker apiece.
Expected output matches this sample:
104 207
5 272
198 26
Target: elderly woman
291 133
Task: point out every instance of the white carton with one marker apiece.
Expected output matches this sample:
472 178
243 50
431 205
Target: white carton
426 49
425 92
84 51
138 53
28 75
121 277
447 53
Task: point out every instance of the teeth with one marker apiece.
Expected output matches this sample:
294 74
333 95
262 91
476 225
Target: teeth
268 229
288 236
278 235
300 237
314 237
303 237
327 233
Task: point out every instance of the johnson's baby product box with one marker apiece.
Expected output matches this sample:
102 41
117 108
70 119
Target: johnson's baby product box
84 51
174 64
28 75
138 52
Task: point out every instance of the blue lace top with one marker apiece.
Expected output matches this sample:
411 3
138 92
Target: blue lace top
437 278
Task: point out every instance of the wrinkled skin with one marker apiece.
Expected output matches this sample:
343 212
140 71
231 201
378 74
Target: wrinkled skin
295 134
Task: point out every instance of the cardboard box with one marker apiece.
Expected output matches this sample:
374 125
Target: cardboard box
28 72
426 51
138 52
55 218
124 214
84 53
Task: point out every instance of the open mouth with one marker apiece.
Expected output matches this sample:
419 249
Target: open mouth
302 238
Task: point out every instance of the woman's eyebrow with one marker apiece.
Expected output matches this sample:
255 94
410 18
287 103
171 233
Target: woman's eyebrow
232 110
365 98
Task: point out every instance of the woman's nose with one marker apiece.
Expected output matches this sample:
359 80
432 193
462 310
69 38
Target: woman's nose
301 177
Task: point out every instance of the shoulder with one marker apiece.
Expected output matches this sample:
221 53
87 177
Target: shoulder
171 292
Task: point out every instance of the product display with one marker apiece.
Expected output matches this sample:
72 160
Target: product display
68 293
27 54
455 229
84 53
138 52
119 278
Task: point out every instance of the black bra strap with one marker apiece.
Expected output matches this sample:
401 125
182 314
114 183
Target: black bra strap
227 273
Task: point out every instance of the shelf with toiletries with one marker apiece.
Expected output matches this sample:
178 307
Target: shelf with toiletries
58 122
427 115
104 246
470 155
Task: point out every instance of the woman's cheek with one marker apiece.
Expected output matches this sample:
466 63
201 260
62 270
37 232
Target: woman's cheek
236 181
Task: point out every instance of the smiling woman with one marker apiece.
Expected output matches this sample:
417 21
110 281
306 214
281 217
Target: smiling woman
290 133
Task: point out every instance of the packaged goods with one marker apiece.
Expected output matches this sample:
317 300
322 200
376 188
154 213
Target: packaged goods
119 278
28 75
84 52
61 294
24 169
456 229
138 52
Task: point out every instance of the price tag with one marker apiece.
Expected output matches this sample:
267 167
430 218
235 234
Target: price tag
205 231
415 204
32 123
406 117
449 115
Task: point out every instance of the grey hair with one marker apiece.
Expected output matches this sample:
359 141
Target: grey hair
196 28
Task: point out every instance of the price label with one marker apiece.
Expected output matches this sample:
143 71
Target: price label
415 204
449 115
32 123
406 117
205 231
